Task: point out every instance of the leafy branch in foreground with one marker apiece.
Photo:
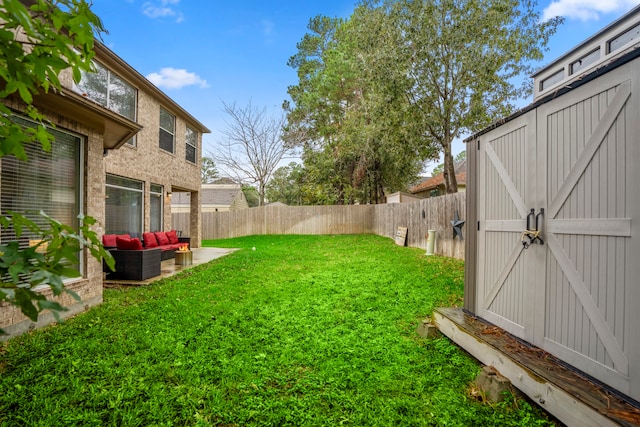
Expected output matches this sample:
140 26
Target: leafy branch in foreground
47 261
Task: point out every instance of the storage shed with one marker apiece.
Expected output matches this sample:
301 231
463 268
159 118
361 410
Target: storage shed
553 256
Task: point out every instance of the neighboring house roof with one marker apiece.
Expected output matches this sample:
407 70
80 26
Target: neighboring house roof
276 204
211 194
219 194
438 180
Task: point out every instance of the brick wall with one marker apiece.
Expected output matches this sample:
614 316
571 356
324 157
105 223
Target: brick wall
148 163
89 288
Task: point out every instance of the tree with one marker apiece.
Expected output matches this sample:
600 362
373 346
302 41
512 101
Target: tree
253 145
397 82
208 170
361 140
252 196
462 57
40 38
286 185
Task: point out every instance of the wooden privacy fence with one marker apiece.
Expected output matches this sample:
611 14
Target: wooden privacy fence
418 217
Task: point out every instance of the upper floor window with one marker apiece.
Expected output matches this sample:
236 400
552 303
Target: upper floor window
167 130
109 90
191 138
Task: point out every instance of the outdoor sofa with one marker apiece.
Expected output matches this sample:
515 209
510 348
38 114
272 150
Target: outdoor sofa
137 259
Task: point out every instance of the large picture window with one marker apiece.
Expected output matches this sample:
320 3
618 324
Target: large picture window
191 138
124 207
167 130
109 90
48 181
155 207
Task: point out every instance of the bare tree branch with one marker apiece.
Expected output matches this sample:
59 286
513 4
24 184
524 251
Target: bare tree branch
252 145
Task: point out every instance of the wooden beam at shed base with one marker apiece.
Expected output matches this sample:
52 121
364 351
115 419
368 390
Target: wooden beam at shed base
572 398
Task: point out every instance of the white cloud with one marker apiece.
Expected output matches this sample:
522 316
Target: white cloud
586 10
267 27
172 78
162 9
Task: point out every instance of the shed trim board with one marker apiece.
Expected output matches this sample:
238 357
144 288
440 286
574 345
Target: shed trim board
573 161
572 398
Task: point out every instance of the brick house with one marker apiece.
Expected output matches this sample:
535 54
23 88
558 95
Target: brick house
121 148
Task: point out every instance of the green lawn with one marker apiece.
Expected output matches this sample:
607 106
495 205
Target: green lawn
301 331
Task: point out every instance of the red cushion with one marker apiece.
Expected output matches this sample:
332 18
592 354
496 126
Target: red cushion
149 240
162 238
173 236
128 244
109 240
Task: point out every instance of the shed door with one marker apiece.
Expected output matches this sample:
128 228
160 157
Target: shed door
573 295
586 181
506 169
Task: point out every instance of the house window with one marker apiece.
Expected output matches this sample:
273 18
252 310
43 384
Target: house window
48 181
167 130
191 138
124 207
155 207
109 90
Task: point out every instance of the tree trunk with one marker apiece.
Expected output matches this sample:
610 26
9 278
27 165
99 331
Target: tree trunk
449 174
262 187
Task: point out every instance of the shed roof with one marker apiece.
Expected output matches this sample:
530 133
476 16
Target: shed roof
609 63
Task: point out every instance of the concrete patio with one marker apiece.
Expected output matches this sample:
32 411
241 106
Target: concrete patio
169 267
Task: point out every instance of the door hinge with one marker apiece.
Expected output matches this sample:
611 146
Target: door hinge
478 225
478 145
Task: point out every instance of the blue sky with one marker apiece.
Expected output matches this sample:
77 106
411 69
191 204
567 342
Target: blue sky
203 52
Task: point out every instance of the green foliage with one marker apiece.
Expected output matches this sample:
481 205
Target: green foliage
286 185
251 194
38 42
208 170
464 56
301 331
45 263
353 110
39 39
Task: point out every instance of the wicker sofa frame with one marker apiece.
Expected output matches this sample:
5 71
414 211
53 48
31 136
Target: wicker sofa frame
136 265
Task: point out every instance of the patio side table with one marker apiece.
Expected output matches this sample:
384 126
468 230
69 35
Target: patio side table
184 257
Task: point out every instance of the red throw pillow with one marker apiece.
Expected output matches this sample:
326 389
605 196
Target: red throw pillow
149 240
128 244
109 240
173 237
162 238
136 244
